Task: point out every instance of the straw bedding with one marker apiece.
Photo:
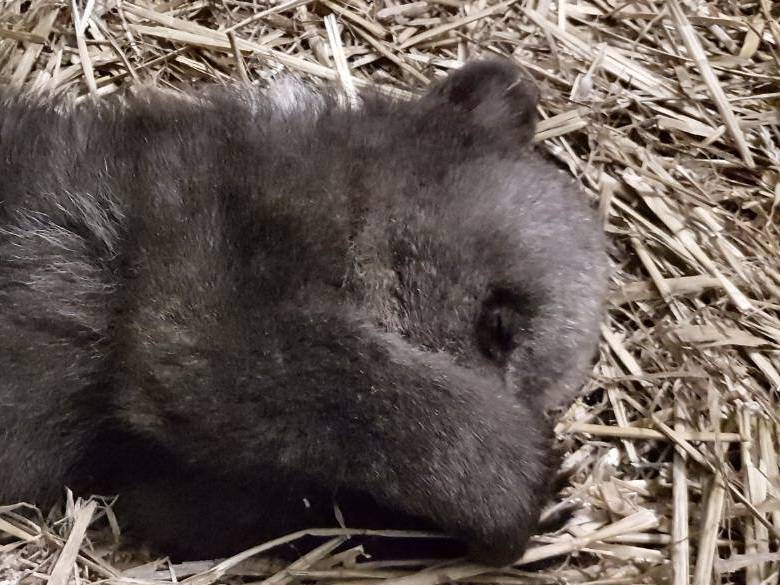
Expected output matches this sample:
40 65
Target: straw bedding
666 111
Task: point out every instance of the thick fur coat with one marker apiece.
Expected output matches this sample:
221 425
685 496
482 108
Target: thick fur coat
235 309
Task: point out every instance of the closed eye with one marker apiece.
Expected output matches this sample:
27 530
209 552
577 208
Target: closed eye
502 323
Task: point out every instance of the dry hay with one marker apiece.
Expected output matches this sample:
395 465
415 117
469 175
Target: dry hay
666 111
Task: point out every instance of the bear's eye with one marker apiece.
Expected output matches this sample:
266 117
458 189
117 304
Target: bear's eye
502 321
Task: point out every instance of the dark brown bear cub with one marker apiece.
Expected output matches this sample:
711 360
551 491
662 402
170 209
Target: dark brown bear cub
235 307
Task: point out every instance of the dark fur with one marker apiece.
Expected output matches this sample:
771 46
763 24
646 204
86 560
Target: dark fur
218 309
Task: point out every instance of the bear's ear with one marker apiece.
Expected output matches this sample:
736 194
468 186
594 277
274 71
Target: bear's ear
494 93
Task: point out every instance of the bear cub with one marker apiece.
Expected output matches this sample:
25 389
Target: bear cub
236 307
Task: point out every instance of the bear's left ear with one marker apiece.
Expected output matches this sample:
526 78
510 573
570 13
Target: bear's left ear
495 95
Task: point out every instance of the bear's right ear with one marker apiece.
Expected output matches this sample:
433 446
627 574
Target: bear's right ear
494 93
